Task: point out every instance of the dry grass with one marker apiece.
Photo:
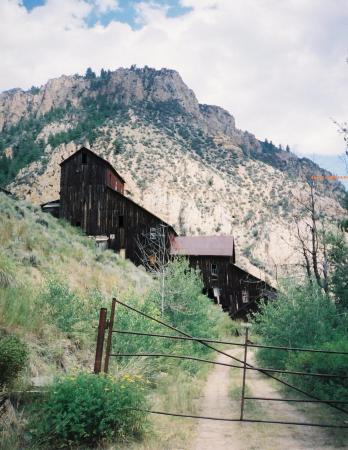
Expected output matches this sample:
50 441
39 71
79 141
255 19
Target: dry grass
175 392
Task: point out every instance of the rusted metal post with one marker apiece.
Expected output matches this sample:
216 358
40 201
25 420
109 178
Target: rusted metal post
100 341
244 373
109 338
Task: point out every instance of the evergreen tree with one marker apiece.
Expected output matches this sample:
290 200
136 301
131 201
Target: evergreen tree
90 75
105 74
287 148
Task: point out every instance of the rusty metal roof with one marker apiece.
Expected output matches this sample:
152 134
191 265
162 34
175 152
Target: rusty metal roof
203 246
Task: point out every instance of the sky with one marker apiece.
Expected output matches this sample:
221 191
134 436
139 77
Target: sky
278 66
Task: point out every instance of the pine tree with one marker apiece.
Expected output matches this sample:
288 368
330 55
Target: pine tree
90 75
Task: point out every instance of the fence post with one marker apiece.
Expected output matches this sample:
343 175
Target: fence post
100 341
244 373
109 338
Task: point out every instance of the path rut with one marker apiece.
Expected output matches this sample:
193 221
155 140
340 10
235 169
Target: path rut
216 401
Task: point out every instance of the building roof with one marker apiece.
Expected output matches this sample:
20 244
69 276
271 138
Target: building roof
203 246
84 149
116 193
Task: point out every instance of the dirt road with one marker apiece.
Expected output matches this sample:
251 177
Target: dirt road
217 401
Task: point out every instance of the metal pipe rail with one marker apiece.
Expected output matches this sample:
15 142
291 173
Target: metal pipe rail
279 422
342 402
285 383
259 369
216 341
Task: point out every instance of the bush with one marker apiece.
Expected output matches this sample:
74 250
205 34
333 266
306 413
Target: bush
7 271
301 316
65 308
328 388
13 358
304 317
87 408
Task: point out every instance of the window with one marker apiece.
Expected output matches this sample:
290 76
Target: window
245 296
121 221
84 158
153 233
214 270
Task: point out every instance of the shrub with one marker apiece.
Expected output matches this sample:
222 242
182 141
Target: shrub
329 388
64 306
68 310
13 358
301 316
87 408
7 271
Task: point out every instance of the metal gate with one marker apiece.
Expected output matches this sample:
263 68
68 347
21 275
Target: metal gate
106 327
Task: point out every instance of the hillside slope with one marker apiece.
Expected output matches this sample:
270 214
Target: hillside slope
184 161
52 283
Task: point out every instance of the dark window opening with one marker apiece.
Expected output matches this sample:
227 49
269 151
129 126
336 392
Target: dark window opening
245 296
120 221
214 270
153 233
84 158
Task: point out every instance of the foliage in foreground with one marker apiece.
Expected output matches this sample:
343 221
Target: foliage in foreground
87 408
303 316
13 358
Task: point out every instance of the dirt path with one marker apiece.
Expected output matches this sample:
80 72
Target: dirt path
216 401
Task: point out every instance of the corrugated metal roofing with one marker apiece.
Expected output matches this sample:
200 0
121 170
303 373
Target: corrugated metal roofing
203 246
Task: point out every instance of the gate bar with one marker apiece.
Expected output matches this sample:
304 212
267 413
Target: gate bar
100 341
216 341
244 373
285 383
279 422
109 339
271 399
258 369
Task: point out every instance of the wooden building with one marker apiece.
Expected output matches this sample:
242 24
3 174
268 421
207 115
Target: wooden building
236 290
91 197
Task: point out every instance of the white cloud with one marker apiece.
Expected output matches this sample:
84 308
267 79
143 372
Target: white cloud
277 65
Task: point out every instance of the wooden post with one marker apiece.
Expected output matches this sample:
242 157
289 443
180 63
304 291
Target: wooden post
244 374
100 341
109 338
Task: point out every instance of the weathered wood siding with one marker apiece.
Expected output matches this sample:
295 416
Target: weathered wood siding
220 281
231 281
87 201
